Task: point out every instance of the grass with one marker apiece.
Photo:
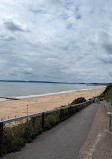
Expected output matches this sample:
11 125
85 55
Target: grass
107 94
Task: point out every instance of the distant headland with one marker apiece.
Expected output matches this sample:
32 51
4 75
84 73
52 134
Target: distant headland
23 81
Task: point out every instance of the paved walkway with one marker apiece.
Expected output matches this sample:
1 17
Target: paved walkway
61 142
98 144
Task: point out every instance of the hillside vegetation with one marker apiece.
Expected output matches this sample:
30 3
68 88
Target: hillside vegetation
107 94
78 100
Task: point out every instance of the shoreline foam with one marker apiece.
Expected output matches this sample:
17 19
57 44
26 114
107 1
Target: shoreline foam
3 99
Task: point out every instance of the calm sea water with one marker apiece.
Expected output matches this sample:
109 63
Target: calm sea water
16 89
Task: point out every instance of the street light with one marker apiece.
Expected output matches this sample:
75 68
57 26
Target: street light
27 109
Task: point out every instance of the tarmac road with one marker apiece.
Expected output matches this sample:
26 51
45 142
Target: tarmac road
61 142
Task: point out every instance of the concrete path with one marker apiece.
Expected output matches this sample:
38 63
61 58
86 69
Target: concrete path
61 142
98 144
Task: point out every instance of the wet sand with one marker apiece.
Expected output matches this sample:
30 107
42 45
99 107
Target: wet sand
43 103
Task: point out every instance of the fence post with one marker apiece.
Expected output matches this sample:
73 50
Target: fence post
1 137
43 123
70 111
109 122
62 116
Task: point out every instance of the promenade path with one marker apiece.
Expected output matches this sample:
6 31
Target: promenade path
98 144
61 142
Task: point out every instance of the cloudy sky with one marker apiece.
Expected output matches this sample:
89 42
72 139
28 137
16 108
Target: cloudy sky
56 40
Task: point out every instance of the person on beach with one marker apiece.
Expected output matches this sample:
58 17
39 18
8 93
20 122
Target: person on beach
96 100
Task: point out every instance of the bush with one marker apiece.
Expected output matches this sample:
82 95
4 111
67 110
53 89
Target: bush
51 119
12 142
78 100
15 137
64 114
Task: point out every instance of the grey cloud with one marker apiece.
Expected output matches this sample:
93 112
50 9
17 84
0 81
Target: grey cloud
110 73
106 60
9 38
52 2
28 71
6 37
36 11
77 12
105 40
14 26
108 48
63 43
78 16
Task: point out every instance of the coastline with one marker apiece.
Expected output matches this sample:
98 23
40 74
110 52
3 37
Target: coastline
40 103
55 93
47 94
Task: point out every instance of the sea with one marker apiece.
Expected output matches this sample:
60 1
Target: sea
22 90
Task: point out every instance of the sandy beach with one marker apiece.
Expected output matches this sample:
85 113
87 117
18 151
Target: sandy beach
40 104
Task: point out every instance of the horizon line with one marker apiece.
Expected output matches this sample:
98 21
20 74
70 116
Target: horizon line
28 81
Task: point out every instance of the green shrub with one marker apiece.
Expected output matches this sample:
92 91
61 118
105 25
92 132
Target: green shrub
15 137
78 100
12 142
51 119
64 114
71 110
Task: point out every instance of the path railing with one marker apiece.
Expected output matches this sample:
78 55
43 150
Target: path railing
108 108
22 129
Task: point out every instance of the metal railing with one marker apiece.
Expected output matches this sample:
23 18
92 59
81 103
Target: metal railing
42 114
39 114
108 108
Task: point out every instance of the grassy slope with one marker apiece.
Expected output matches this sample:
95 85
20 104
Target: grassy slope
107 94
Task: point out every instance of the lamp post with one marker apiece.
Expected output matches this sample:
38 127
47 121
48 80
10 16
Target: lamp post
27 109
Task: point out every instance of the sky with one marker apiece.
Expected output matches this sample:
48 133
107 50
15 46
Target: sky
56 40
